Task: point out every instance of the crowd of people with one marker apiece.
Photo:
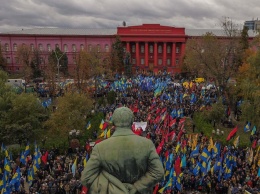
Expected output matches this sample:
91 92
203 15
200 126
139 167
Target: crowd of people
192 162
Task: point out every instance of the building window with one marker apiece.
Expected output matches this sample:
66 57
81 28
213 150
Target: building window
177 62
32 47
15 47
40 47
17 68
6 47
65 48
74 60
133 61
57 46
142 48
151 48
142 61
41 60
160 49
168 49
177 49
98 48
168 61
133 48
81 47
159 61
16 60
107 48
89 47
74 48
49 47
8 59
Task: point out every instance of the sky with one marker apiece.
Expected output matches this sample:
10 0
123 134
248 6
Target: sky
191 14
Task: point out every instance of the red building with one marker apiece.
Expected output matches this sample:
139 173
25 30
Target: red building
152 46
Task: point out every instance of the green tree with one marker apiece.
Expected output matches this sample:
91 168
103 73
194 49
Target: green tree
71 113
244 38
2 59
21 116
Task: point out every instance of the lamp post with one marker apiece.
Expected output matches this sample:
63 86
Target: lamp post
58 64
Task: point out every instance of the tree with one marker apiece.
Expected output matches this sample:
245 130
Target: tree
71 113
25 57
244 38
2 59
215 57
81 73
35 63
117 55
21 116
248 87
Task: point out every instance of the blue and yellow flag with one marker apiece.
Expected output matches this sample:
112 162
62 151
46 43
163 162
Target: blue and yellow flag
7 165
247 127
74 167
88 126
27 150
253 130
205 155
16 177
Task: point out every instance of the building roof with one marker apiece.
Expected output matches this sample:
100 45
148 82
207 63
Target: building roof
106 32
62 31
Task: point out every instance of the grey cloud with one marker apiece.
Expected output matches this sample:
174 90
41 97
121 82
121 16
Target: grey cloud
17 14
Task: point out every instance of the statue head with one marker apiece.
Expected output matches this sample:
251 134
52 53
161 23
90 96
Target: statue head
123 117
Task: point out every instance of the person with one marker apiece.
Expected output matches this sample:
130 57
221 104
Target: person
124 163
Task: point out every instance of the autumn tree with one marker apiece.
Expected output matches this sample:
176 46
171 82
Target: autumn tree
2 59
216 57
25 57
71 113
248 87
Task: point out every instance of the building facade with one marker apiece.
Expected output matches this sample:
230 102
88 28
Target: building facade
151 46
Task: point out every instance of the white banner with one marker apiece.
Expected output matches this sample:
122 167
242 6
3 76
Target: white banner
142 125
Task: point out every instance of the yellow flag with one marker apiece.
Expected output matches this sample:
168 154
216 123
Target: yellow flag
108 134
102 135
236 141
211 145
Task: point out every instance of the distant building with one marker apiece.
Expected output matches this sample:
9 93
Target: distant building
151 46
253 25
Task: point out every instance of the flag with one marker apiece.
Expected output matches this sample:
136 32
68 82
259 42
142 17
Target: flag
211 145
195 152
178 182
16 177
172 122
160 146
30 175
88 126
236 142
27 150
205 155
45 157
196 170
177 165
101 124
258 174
105 125
108 133
85 160
7 165
232 133
84 190
247 127
183 161
74 167
253 130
